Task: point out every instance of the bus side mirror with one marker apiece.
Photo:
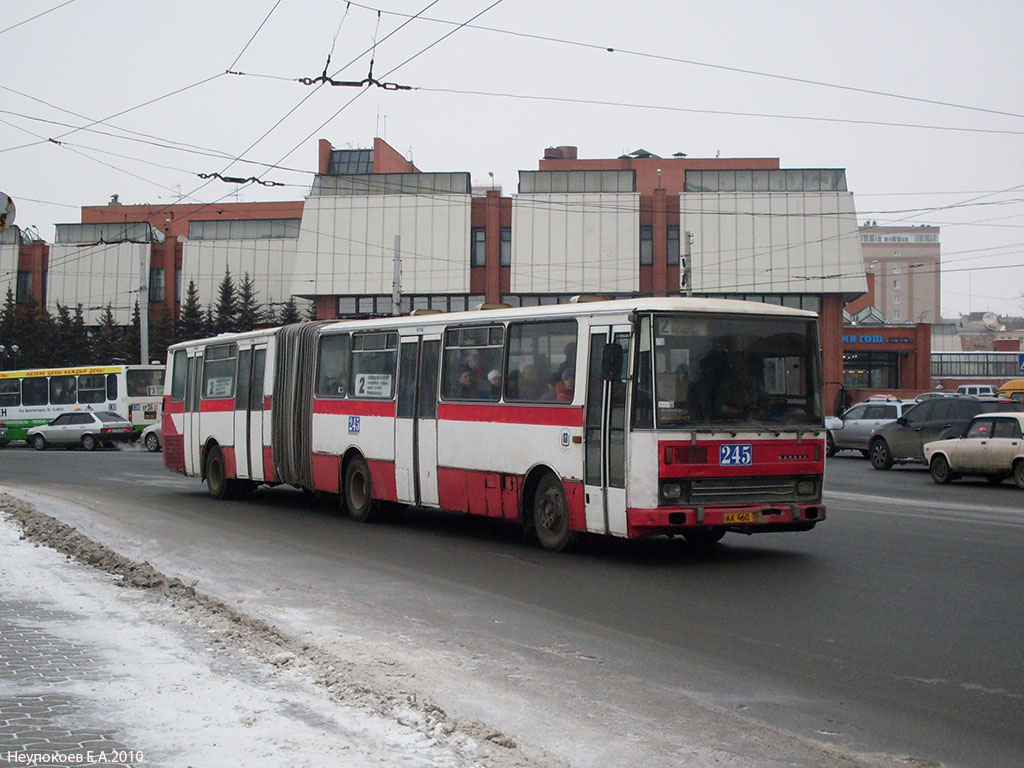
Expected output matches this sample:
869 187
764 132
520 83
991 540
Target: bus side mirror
611 362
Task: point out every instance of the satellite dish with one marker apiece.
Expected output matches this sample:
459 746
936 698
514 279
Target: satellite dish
7 212
990 321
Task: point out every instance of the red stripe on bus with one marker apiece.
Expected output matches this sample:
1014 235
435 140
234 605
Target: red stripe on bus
497 413
326 472
170 406
217 406
382 480
355 407
268 463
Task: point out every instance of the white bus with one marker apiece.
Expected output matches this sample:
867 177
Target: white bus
29 398
623 418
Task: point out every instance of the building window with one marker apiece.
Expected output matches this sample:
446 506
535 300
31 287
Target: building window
478 247
896 298
672 246
156 284
506 247
646 246
896 283
24 289
896 314
896 269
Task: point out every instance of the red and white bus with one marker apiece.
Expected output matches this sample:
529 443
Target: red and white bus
624 418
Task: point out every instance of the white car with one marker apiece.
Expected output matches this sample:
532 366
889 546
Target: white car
852 430
153 437
992 446
88 429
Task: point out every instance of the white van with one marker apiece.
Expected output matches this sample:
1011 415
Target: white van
975 389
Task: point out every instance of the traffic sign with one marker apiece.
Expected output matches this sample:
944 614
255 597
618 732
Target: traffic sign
1020 362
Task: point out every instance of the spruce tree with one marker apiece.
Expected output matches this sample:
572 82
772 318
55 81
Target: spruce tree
108 343
311 311
289 312
226 316
133 338
250 316
191 324
161 334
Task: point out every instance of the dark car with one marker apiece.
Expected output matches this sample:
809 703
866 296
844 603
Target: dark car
933 419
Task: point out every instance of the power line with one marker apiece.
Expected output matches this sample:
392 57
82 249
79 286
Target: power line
262 23
33 18
709 65
730 113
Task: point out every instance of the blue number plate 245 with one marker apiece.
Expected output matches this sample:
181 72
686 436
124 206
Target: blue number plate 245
738 455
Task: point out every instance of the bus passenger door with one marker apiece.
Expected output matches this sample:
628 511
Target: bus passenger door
605 435
190 425
416 421
248 427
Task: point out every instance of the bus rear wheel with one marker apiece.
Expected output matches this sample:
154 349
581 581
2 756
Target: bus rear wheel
551 515
217 482
358 492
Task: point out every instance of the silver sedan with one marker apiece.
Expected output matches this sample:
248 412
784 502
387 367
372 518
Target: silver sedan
87 429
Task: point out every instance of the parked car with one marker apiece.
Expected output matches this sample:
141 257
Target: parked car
852 430
992 447
1013 389
153 437
87 429
976 389
930 395
934 419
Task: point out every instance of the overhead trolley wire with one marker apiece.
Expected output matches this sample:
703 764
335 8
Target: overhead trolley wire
710 65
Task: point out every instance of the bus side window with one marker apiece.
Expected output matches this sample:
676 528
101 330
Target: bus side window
542 361
91 388
472 363
219 372
63 390
180 368
332 366
374 358
111 386
34 390
10 393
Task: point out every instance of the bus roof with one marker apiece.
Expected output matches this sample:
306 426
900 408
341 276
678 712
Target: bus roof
588 309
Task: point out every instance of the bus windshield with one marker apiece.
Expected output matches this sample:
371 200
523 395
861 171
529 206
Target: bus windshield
731 371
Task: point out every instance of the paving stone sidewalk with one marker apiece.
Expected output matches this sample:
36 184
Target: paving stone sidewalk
40 722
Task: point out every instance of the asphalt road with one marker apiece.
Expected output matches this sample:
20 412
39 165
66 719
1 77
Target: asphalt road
892 629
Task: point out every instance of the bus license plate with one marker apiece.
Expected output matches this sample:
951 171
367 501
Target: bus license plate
739 455
739 517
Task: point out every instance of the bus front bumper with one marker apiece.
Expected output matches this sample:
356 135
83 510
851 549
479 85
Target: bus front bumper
748 518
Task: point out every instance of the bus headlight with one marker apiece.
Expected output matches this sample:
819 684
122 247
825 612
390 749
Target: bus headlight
671 491
805 487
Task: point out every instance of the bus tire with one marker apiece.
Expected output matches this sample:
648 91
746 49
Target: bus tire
358 491
551 515
89 443
217 482
39 443
704 537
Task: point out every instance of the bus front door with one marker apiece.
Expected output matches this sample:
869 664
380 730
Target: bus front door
190 426
605 438
416 421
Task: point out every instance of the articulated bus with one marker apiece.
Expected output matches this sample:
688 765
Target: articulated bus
624 418
34 397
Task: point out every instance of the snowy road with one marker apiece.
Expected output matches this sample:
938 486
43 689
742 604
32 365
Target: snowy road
544 649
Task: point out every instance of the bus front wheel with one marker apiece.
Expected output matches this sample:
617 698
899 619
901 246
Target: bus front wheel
551 515
359 491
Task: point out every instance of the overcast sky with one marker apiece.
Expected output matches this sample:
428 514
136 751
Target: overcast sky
490 100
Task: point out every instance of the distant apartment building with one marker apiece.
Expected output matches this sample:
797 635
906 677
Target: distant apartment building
903 263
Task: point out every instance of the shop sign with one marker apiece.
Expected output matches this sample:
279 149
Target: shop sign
875 338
